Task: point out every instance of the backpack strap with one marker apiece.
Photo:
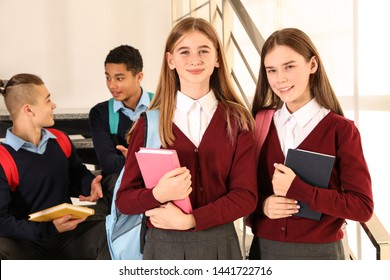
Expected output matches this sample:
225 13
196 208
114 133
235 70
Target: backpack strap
152 139
113 117
9 167
151 95
62 140
263 123
126 234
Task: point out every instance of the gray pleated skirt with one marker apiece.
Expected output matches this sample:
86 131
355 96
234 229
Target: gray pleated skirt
217 243
265 249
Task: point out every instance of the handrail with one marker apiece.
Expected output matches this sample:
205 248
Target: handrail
190 12
237 45
247 103
248 24
378 236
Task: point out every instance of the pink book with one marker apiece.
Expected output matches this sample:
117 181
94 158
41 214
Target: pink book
154 163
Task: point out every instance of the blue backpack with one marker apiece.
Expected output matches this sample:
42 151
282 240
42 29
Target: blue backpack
124 232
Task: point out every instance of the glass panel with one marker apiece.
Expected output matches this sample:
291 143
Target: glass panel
331 30
373 47
251 56
203 12
375 139
182 7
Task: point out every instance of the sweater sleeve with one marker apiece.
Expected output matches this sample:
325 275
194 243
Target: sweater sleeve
108 156
349 195
80 178
15 228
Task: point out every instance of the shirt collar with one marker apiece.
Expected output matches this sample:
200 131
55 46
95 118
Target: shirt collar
16 142
208 102
144 101
303 115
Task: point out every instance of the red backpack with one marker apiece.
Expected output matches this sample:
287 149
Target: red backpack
9 165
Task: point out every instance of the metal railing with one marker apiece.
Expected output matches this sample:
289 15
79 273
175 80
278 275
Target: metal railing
221 14
378 236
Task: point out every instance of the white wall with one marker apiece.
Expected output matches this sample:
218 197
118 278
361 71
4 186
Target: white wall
65 42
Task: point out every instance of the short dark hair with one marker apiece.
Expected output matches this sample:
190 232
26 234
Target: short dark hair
127 55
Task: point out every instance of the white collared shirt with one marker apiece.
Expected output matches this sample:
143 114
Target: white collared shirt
193 116
306 119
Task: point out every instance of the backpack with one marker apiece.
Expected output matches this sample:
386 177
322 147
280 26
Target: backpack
125 233
9 165
113 117
263 121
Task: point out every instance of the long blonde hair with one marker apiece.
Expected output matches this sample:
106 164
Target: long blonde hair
220 83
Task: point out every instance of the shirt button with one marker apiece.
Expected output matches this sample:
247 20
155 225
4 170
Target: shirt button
196 150
283 228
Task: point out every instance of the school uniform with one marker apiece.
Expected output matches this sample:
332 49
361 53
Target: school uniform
110 158
46 178
223 176
349 195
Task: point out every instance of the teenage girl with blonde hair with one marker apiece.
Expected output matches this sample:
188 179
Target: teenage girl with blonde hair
215 149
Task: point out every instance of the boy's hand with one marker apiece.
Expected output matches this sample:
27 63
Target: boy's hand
122 149
65 223
96 190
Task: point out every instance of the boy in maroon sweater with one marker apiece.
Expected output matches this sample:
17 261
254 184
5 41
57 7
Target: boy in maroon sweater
46 178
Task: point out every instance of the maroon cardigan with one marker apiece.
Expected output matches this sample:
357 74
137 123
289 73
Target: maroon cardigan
349 195
223 174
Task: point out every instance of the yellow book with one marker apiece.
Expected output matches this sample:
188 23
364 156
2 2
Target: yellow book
61 210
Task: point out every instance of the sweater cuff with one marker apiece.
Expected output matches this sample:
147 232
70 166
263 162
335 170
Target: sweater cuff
51 231
301 191
148 198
